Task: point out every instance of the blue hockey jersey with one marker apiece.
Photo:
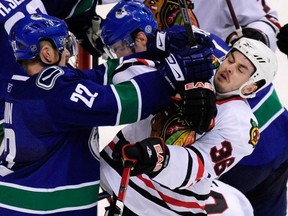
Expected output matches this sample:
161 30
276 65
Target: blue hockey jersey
50 159
12 11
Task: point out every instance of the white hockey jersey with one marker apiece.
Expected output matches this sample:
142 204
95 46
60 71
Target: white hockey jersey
214 16
183 187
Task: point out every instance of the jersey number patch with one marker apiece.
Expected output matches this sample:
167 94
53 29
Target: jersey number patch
222 157
82 93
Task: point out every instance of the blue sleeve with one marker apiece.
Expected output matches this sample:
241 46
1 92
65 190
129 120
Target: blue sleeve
221 47
74 101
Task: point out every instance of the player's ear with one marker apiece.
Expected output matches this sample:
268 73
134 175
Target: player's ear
248 89
140 42
47 53
141 38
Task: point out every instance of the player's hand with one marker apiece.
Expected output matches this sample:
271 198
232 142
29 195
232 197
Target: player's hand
150 155
249 33
199 106
187 65
282 41
174 39
89 35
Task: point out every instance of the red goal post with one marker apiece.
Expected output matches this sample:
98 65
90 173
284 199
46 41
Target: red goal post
83 59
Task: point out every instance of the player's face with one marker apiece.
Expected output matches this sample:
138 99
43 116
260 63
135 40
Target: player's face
121 49
70 44
234 71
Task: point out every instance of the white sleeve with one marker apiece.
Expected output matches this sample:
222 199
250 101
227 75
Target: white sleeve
254 16
249 13
187 163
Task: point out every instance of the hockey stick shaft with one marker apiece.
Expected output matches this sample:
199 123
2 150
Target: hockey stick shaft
124 183
187 22
234 18
119 205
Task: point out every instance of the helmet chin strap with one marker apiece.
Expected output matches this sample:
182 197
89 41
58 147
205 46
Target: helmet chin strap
227 94
237 92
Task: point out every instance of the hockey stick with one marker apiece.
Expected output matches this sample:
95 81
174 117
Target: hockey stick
234 18
117 209
187 23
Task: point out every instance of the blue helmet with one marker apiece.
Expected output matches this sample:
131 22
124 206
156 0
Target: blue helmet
126 18
26 34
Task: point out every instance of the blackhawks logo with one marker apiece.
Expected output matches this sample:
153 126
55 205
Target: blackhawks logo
172 127
168 13
254 133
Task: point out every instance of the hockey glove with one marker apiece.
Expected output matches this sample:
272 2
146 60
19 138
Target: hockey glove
249 33
199 106
89 35
187 65
150 155
282 41
174 39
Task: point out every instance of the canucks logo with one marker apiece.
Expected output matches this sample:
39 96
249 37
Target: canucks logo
254 133
120 13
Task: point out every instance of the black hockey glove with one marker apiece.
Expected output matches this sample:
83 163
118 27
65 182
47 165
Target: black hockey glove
174 39
89 35
199 106
150 156
282 41
187 65
249 33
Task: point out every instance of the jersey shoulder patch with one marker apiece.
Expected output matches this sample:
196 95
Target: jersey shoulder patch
47 78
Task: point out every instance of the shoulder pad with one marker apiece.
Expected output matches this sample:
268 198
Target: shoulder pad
47 78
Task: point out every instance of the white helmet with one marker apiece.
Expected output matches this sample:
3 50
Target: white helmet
263 59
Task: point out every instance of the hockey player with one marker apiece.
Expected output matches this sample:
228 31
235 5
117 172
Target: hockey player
49 163
129 28
79 14
125 32
178 177
266 166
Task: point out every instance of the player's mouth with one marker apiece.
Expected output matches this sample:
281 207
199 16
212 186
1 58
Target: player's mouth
224 76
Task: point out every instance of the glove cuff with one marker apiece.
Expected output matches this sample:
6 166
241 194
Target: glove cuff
161 165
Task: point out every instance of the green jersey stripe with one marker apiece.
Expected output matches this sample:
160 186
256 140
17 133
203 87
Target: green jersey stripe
132 98
82 6
33 199
270 107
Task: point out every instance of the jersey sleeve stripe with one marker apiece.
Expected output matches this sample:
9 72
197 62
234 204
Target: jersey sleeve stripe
117 97
139 99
